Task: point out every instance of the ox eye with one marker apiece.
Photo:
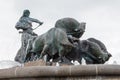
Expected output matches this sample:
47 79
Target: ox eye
76 30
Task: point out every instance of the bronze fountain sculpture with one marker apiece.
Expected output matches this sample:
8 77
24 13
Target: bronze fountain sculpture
61 43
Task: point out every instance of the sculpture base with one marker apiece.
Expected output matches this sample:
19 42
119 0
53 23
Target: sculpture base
84 72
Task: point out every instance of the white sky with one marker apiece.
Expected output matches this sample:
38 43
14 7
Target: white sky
102 18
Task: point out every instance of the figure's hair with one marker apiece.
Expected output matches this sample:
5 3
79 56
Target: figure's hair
26 13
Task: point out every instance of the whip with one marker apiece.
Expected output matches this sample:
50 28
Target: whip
36 27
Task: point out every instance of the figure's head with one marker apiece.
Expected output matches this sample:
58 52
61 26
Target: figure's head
26 13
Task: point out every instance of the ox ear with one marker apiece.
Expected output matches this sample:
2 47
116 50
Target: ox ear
83 24
109 55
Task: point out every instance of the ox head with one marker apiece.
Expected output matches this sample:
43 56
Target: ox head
104 57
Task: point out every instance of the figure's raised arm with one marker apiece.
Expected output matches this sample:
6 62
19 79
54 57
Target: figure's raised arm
36 20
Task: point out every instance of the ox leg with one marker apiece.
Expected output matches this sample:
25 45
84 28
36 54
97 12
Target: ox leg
43 51
48 57
61 52
29 57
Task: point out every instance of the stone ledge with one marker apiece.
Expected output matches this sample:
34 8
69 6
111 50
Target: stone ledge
60 71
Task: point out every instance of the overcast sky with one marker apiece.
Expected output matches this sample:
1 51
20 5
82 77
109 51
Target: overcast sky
102 19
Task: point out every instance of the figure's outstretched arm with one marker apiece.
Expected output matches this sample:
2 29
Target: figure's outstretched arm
36 20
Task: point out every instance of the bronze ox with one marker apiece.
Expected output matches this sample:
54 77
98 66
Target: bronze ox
92 50
71 27
53 42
